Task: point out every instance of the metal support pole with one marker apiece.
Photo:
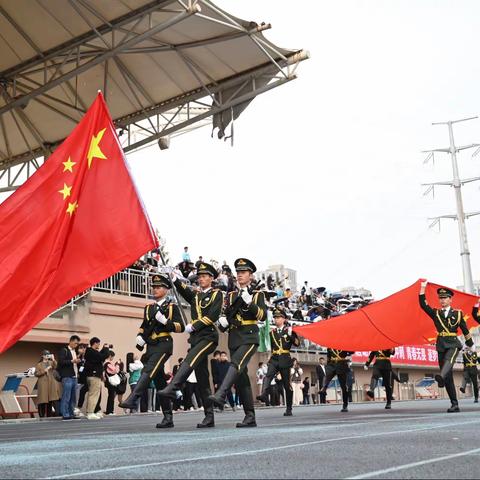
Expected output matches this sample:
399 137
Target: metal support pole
175 293
462 229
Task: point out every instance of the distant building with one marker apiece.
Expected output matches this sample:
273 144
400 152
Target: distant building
476 287
282 275
356 292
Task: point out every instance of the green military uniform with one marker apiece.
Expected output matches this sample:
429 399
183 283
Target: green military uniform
382 368
470 372
160 320
282 340
206 307
337 365
243 340
448 345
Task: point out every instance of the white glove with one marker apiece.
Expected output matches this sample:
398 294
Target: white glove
189 328
477 305
173 276
223 322
289 331
140 341
161 318
247 298
365 367
423 284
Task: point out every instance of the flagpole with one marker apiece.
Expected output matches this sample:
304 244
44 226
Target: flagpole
175 293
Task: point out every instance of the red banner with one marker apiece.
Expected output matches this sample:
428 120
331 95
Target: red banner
419 355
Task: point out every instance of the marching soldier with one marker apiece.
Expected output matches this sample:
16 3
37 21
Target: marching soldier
382 368
282 338
470 373
337 364
206 306
160 319
245 307
447 321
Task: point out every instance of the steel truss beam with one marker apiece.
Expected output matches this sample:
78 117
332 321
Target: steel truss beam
33 79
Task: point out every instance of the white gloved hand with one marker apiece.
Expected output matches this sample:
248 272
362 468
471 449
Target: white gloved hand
365 367
423 284
189 328
247 298
477 305
173 276
161 318
289 331
140 341
223 322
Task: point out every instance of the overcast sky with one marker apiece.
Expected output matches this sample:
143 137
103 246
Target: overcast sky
325 173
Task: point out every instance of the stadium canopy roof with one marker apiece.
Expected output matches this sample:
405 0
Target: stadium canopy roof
163 66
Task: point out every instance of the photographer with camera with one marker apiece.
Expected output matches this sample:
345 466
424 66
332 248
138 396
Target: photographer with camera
47 386
94 358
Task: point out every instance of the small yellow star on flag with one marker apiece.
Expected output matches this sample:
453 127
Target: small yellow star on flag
72 207
94 149
68 165
66 191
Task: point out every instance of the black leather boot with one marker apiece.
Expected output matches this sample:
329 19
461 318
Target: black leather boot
178 380
345 407
247 399
209 420
221 394
140 387
454 408
167 421
388 406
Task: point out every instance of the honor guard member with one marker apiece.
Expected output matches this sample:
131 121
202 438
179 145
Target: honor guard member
337 364
160 319
282 339
382 368
245 307
206 307
470 372
447 321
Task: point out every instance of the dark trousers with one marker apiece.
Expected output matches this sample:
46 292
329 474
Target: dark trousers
471 374
197 358
446 360
154 366
273 369
341 372
45 410
239 358
112 392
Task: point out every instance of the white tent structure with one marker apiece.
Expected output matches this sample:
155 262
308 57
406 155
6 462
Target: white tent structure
163 65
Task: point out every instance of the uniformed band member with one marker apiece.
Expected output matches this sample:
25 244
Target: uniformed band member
337 364
382 368
470 372
244 309
282 338
447 321
206 307
160 319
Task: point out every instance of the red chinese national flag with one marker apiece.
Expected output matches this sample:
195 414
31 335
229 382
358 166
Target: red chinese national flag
75 222
393 321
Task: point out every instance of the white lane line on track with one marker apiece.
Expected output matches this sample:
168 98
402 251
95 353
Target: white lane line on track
420 463
323 426
86 432
257 451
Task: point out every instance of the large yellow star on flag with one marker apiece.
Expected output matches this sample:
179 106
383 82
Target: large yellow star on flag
72 207
65 191
94 149
68 165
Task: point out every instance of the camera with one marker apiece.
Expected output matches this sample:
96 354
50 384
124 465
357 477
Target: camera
110 346
49 356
